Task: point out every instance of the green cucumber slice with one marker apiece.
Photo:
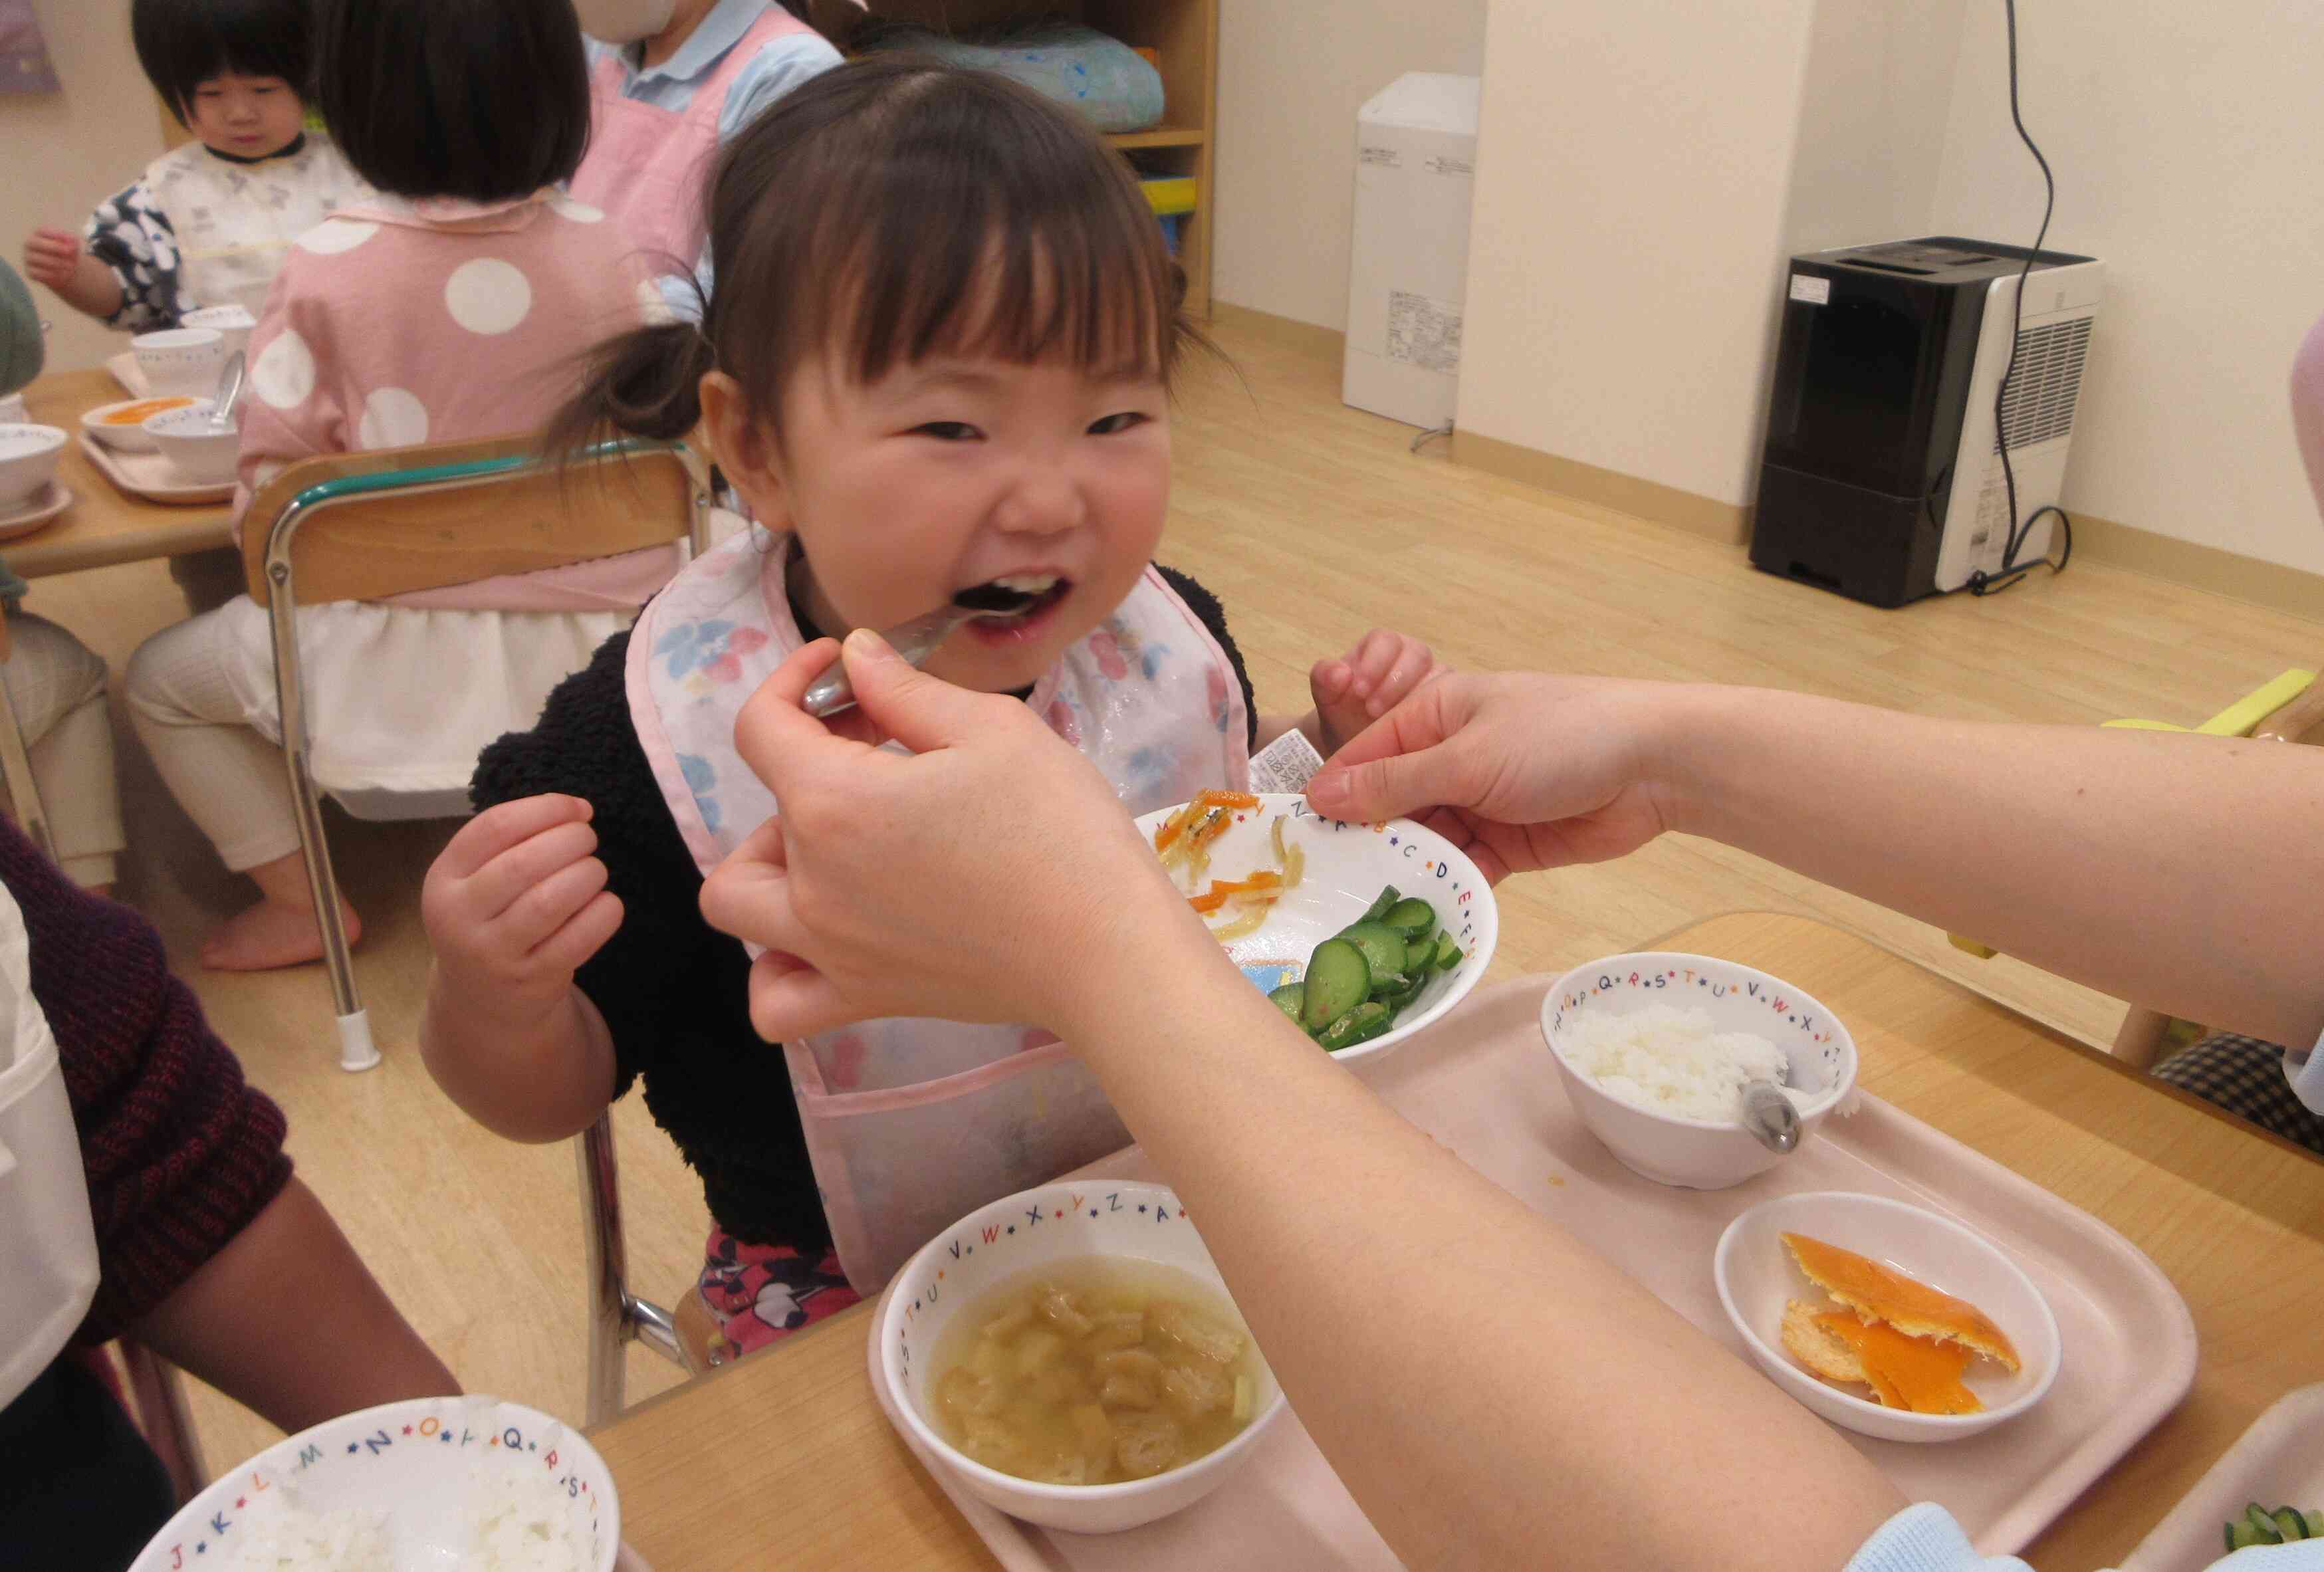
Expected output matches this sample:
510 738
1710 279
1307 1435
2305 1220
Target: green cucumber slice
2241 1535
1360 1024
1383 948
1448 954
1290 998
1398 1003
1410 917
1379 909
2313 1521
2262 1526
1419 957
1338 981
2288 1523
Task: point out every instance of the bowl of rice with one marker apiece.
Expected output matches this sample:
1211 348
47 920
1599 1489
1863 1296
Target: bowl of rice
1655 1049
466 1481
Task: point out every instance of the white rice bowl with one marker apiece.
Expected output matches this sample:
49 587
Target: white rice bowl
1671 1060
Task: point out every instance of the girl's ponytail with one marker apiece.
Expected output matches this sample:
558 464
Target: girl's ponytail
646 382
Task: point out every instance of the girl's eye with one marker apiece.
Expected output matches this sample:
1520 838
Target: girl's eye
1113 424
945 430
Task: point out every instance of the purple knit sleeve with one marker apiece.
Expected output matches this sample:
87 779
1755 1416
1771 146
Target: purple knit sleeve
180 1152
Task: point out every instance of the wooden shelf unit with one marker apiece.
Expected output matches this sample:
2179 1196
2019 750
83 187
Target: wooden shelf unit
1185 35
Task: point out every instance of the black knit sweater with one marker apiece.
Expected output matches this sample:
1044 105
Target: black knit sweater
673 989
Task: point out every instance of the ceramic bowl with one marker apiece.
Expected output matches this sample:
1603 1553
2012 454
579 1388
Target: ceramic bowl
232 324
129 437
180 360
203 456
1067 1221
1698 1153
1756 1276
29 456
429 1467
1347 865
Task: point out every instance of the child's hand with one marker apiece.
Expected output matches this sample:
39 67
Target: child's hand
52 257
516 903
1365 684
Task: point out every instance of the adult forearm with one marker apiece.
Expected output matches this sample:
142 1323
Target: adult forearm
2179 871
1541 1396
536 1077
287 1320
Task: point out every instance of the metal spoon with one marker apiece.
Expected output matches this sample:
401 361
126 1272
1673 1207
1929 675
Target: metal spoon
229 388
1769 1116
914 640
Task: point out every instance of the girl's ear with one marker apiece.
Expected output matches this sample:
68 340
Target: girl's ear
743 451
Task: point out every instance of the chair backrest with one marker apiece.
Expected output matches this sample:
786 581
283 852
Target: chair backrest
394 521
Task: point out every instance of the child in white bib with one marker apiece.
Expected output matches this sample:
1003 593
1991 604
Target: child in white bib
935 362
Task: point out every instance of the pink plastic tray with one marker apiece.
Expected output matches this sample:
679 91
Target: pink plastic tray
1480 1082
2279 1462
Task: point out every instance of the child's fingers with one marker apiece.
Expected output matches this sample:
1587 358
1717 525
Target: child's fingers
504 825
548 905
1373 657
1329 681
584 935
1411 666
494 889
790 998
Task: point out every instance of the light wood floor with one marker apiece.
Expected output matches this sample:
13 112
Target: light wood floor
1312 522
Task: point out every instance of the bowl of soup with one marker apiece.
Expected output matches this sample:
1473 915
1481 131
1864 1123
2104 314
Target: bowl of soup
29 456
1070 1355
202 453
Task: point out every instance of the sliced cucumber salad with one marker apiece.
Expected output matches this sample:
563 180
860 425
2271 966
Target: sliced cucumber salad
1360 979
2259 1526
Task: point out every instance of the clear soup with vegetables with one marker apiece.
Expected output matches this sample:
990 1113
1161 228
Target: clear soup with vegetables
1095 1371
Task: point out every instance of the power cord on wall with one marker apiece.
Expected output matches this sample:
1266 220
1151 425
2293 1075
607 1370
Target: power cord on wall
2012 571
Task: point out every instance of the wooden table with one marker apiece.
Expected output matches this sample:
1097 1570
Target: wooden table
786 1459
104 526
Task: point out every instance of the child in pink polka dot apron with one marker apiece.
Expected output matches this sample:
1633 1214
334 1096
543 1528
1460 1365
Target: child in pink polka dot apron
449 306
935 361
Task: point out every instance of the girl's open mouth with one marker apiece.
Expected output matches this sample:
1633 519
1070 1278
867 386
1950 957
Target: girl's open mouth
1030 600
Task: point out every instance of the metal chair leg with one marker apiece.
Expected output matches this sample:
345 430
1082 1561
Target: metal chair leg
616 1315
356 1051
160 1394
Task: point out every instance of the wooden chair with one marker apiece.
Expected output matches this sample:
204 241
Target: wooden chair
617 1316
366 526
2289 708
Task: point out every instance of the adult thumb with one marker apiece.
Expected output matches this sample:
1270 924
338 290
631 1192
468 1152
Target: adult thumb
921 712
1392 787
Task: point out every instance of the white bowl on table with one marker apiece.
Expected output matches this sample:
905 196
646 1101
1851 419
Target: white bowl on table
180 360
1756 1277
427 1466
128 436
1111 1218
29 456
200 452
232 324
1698 1153
1347 865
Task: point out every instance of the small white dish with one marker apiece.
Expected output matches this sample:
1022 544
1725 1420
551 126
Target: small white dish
21 519
29 456
1114 1218
196 450
1756 1276
1347 865
180 360
130 437
428 1464
232 324
1698 1153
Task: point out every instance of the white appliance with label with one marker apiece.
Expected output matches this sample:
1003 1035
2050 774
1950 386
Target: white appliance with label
1415 178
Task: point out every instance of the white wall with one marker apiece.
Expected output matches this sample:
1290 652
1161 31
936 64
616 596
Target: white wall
2187 142
1292 74
64 152
1633 181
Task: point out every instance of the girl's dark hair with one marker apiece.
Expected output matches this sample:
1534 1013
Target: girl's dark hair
485 99
891 209
183 43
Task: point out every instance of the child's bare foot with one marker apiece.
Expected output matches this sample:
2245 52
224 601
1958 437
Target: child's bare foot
272 933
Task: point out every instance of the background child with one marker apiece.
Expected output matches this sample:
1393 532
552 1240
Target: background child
937 357
452 308
56 684
207 224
